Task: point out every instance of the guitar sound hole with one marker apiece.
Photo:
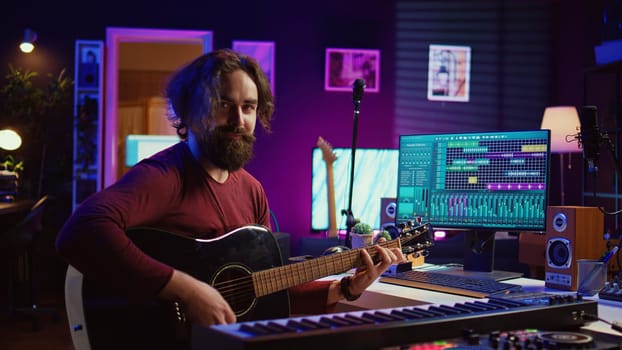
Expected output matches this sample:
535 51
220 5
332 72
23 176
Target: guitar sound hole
235 283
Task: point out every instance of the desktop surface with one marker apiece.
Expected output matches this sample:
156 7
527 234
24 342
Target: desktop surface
12 212
20 205
384 295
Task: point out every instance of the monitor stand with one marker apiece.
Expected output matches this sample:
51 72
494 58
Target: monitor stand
479 253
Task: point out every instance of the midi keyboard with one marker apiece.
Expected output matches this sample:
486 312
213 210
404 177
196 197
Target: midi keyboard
374 329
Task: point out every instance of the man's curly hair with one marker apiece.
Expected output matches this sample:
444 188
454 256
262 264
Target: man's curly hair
193 91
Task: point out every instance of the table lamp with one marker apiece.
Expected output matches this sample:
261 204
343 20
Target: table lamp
563 121
10 140
28 44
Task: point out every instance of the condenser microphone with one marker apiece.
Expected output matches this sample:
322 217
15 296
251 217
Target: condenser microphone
590 136
357 93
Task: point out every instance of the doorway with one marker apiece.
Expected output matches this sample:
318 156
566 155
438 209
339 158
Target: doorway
138 62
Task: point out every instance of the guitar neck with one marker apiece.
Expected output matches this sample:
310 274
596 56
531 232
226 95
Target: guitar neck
280 278
332 216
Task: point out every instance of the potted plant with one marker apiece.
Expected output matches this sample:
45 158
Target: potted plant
40 109
362 235
9 178
383 234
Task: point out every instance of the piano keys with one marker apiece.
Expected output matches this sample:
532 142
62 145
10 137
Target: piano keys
374 329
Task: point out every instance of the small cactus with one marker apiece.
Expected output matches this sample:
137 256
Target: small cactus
362 228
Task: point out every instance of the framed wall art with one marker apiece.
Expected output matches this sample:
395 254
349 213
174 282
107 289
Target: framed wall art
344 66
449 71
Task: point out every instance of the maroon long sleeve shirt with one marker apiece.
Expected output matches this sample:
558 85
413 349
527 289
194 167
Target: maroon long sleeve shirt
169 191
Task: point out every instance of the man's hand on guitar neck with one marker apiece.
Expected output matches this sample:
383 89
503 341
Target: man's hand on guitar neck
368 273
202 303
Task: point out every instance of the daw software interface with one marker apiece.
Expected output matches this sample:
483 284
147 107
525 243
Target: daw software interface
479 183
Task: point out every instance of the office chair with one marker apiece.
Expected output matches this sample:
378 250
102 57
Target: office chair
20 247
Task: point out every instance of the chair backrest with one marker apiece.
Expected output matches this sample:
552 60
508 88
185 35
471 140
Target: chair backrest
34 219
75 309
22 234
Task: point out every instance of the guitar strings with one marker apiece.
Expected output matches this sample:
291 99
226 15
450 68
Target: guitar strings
242 289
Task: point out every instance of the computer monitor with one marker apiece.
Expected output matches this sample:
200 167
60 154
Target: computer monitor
139 147
375 177
477 182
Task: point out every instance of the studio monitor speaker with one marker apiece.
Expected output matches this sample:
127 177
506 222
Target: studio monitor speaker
388 208
572 233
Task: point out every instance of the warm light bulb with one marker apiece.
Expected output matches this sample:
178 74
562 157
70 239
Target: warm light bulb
26 47
9 140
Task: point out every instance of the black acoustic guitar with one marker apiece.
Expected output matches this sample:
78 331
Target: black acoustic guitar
244 265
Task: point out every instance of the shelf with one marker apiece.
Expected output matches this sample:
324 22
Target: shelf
87 131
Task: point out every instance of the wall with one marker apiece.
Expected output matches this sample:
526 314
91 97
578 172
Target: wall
302 31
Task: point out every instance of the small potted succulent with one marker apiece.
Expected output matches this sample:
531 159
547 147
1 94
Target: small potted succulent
383 234
9 178
362 235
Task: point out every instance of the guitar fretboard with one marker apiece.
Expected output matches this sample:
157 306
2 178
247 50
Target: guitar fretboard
273 280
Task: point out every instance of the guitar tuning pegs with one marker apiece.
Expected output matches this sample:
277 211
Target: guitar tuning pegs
406 225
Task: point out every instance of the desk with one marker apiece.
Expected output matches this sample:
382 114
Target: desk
383 295
17 206
12 212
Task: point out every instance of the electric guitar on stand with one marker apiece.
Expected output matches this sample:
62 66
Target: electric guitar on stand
329 157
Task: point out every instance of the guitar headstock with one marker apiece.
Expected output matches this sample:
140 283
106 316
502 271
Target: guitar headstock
417 237
328 154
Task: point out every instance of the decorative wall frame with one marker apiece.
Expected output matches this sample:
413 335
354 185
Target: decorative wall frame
344 66
449 73
262 51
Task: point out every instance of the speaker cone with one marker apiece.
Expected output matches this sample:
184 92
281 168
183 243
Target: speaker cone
558 253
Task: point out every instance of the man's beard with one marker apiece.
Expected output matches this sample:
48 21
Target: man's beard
225 152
